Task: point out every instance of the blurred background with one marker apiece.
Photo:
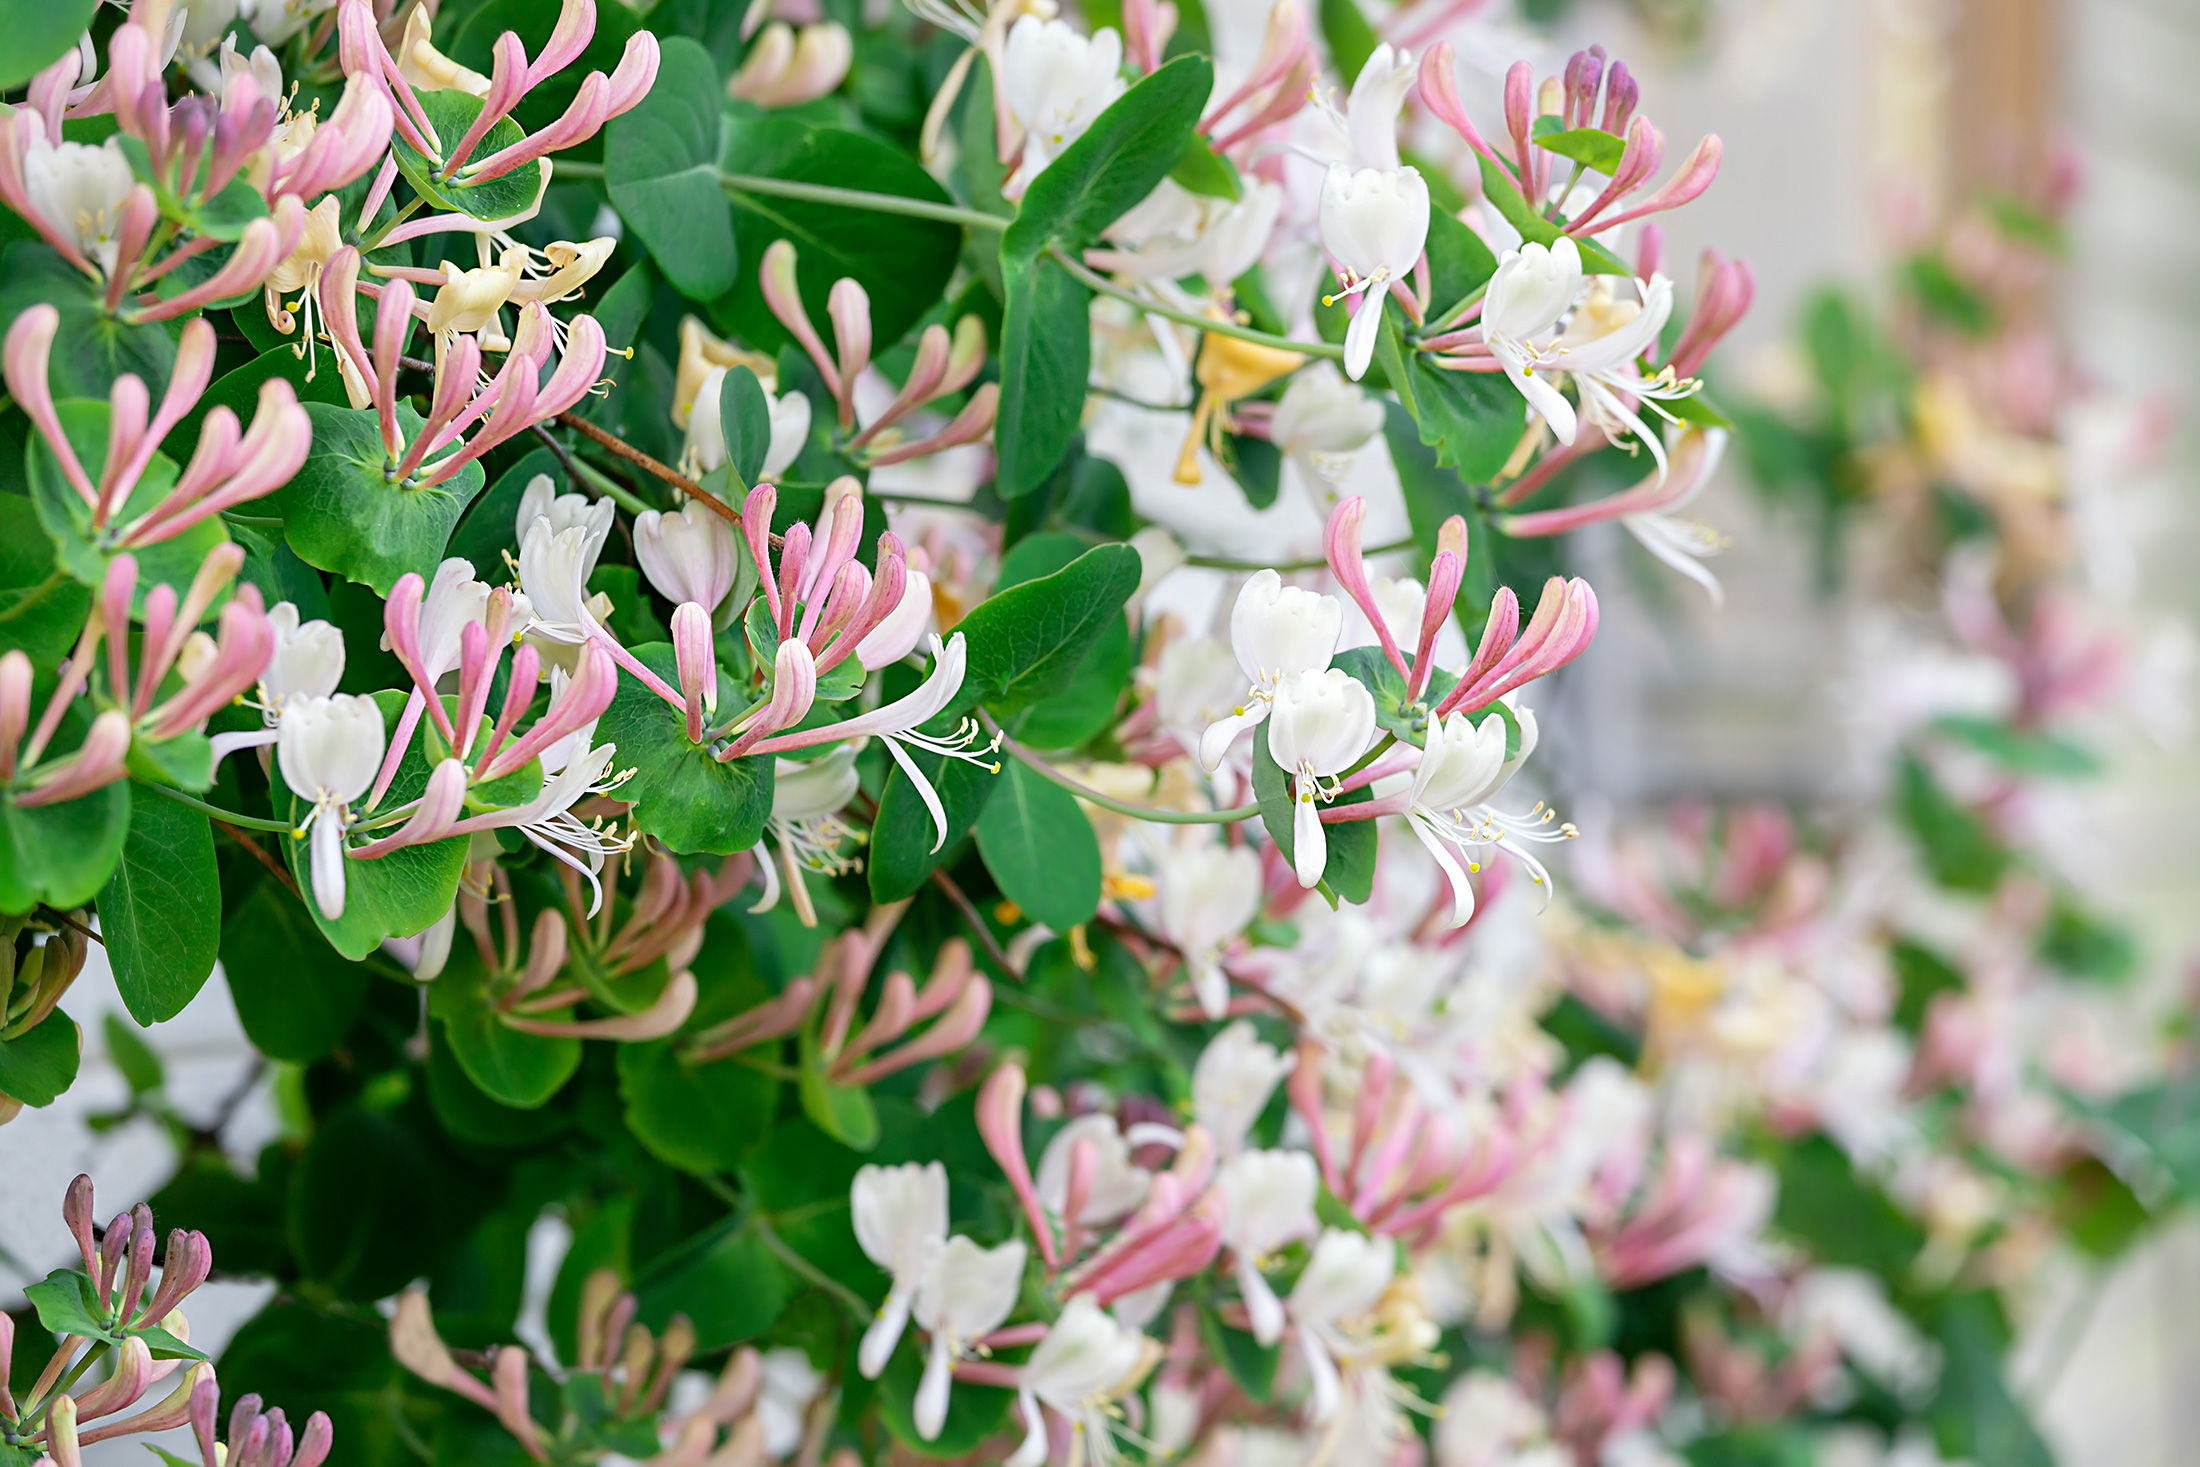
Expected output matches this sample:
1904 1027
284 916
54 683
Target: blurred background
1858 133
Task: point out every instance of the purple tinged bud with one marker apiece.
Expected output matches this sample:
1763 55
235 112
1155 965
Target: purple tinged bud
241 1417
314 1443
76 1204
111 1248
206 1399
1621 92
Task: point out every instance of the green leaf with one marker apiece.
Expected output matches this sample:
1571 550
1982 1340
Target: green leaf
902 854
1251 1364
1975 1416
462 1109
1698 407
160 912
1504 195
397 895
661 166
902 263
1458 262
1040 848
1350 873
68 1303
1591 146
2027 751
225 215
61 854
1202 170
1087 707
2087 946
92 348
681 794
141 1068
1351 40
83 551
511 1067
1847 1222
700 1118
38 1067
746 421
1256 466
974 1412
843 1112
39 34
42 607
342 514
268 940
491 527
1027 641
1960 851
355 1208
731 1289
1472 419
1922 975
1046 354
450 112
1128 149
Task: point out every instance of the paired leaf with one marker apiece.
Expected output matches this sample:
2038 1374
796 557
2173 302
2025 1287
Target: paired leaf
342 514
1040 848
450 112
682 794
661 165
160 912
1027 641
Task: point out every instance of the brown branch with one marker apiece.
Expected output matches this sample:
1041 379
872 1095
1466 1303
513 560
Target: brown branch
70 922
993 948
262 857
620 447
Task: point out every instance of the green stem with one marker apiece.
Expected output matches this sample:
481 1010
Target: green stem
1216 562
808 1270
226 817
369 246
849 198
34 595
617 493
1094 280
1450 318
1108 802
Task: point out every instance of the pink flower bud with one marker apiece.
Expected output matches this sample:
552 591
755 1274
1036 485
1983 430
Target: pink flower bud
783 294
1342 549
1440 94
698 665
1001 1124
29 342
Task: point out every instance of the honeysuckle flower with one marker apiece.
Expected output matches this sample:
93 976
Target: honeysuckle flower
1691 459
1374 223
1320 422
1564 624
807 798
900 1217
1724 290
1532 290
1114 1185
782 70
557 555
329 750
1271 1203
96 763
1398 609
1275 630
228 468
1231 1083
1085 1361
1207 893
700 354
512 77
901 629
75 191
967 1293
1321 723
689 554
1055 84
1463 767
514 399
1599 350
1173 232
1369 122
1344 1279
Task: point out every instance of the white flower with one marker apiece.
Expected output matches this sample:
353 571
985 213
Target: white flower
1275 630
329 750
968 1293
276 21
1463 766
78 188
689 554
308 660
1056 84
572 771
1322 722
1208 893
1599 350
554 567
1231 1083
452 599
1173 232
900 1217
540 500
1371 112
1271 1203
897 635
1117 1185
1850 1306
1374 224
1533 288
1195 682
1343 1280
790 1383
1086 1359
1681 543
1321 420
705 449
1486 1421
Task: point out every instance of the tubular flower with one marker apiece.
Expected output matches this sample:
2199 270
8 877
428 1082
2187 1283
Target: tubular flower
227 469
514 399
1276 631
1321 724
1374 223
